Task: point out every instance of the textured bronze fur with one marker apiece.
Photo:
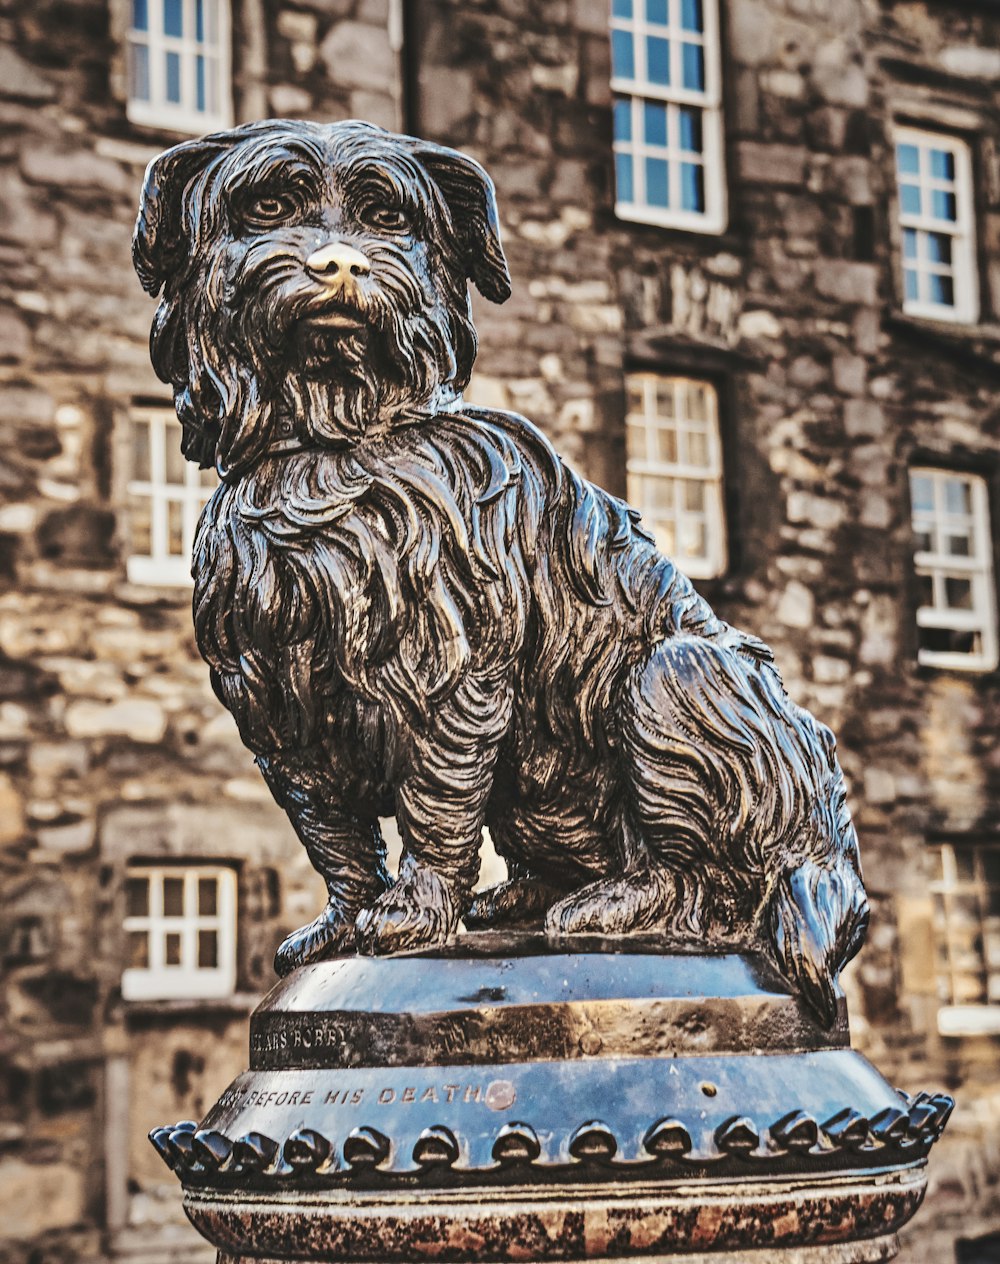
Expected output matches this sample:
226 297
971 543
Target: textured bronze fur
415 608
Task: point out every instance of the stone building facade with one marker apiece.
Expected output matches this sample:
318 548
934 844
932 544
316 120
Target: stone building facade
829 339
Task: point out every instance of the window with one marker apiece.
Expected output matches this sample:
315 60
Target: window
966 899
675 468
956 619
665 76
178 59
165 497
934 174
180 924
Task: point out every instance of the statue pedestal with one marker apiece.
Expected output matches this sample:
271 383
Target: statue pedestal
510 1100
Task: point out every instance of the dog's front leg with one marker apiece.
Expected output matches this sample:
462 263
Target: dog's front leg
440 809
344 845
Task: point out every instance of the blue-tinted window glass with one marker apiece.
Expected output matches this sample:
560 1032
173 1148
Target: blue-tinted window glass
657 182
942 164
658 60
694 66
140 72
622 55
938 247
942 290
692 186
624 180
908 160
654 123
623 120
173 17
199 82
656 12
692 18
909 243
690 130
199 21
912 286
140 15
943 205
621 8
909 197
174 78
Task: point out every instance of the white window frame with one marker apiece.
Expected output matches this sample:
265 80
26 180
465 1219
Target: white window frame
161 567
959 1017
961 231
937 564
161 982
647 419
639 90
183 116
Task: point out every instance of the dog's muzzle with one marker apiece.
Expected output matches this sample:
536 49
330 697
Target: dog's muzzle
339 267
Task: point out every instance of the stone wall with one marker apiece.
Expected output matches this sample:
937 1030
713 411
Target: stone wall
111 745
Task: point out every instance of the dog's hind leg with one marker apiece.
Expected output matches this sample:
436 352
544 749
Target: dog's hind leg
345 848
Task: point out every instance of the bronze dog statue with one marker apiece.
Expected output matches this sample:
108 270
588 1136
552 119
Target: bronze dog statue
413 607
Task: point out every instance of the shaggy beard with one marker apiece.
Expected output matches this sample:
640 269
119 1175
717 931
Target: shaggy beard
260 369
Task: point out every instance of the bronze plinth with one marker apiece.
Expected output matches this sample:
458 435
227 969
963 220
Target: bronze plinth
519 1100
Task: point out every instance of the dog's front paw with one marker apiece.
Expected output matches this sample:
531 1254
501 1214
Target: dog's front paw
614 906
418 911
331 933
516 902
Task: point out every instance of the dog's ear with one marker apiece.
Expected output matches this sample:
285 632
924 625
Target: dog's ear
163 234
472 201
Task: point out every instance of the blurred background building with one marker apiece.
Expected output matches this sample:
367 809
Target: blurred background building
756 258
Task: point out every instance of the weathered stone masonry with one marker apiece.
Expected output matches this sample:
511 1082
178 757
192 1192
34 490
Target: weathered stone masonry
111 746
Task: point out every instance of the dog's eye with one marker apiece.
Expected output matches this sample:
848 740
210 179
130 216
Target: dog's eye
270 209
388 217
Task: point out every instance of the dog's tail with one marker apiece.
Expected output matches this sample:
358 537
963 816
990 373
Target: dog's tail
815 920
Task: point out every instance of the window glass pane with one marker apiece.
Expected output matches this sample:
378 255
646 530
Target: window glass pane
694 67
623 120
922 492
912 284
697 448
656 182
666 445
140 15
958 592
922 541
174 459
139 72
140 451
665 399
692 186
694 538
943 205
172 949
137 950
621 8
199 83
199 21
208 889
655 123
624 177
636 395
694 495
957 496
658 60
173 897
938 247
942 164
909 197
909 243
656 12
659 495
622 55
175 528
140 525
908 160
697 401
690 129
208 950
174 78
941 290
692 18
925 591
959 546
635 442
136 897
173 17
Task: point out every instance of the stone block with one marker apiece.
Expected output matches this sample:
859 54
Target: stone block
752 31
847 281
975 61
591 16
376 107
850 373
817 511
40 1198
357 55
796 607
67 837
19 79
140 719
11 812
73 168
287 100
772 163
864 417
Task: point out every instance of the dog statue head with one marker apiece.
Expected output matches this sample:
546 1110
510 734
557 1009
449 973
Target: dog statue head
314 282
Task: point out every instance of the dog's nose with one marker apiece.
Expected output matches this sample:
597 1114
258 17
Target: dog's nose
337 261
